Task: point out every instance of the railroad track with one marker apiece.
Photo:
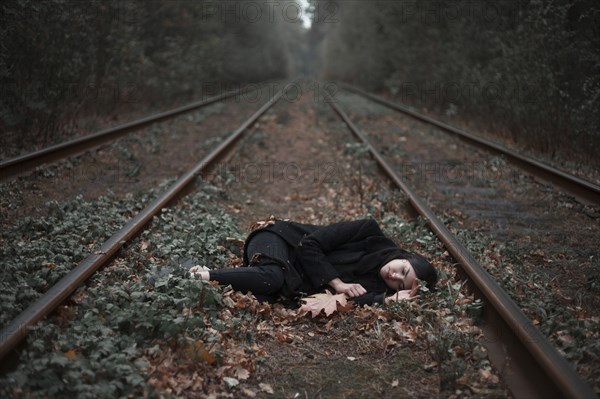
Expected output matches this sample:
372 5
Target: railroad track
20 164
547 370
539 370
13 333
580 188
484 192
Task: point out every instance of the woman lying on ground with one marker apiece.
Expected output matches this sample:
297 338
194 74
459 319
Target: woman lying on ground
285 260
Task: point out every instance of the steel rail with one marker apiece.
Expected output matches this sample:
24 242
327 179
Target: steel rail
13 333
539 369
580 188
17 165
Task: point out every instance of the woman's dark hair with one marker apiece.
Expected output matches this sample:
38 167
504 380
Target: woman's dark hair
423 269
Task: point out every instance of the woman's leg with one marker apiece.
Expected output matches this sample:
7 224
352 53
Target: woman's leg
265 277
269 244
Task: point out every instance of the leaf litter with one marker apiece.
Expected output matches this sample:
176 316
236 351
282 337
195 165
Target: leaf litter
142 327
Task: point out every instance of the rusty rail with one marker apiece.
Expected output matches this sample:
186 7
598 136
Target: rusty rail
578 187
12 334
17 165
536 368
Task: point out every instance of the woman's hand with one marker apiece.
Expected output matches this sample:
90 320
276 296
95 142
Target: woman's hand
400 296
352 290
404 294
200 272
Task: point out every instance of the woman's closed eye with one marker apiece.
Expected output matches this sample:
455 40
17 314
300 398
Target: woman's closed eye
405 271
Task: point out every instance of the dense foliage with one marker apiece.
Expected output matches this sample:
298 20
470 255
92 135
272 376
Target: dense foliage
139 319
64 60
94 347
528 69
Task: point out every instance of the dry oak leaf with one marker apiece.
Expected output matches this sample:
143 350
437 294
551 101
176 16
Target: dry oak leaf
327 302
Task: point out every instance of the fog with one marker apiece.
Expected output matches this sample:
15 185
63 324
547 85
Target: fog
504 64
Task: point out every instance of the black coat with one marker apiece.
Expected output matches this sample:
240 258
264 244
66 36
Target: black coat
353 251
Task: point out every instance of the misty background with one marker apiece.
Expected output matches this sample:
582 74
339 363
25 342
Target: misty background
525 70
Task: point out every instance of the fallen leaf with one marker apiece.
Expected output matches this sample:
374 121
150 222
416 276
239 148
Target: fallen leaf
487 376
230 303
463 380
71 353
327 327
326 302
197 351
459 351
566 339
230 382
241 372
283 337
266 388
430 366
248 392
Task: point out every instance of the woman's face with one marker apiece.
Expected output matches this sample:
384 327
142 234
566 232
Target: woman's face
398 274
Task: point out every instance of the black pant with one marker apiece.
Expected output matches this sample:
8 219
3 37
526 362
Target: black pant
266 276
